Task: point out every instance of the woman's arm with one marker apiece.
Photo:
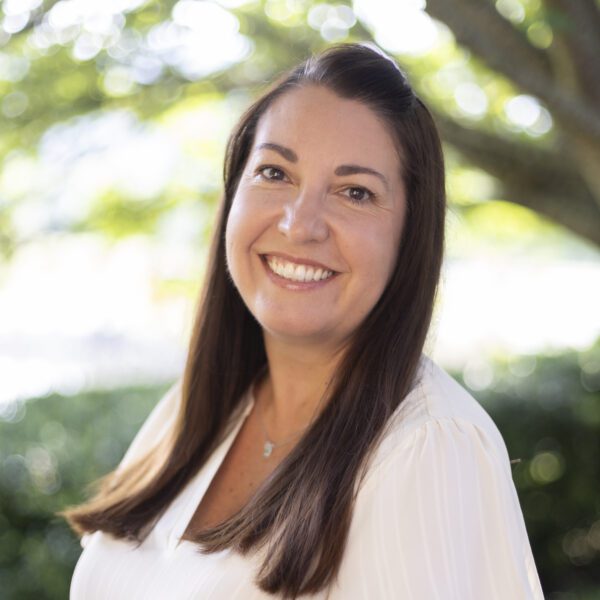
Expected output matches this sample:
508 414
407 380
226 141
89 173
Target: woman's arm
441 520
155 426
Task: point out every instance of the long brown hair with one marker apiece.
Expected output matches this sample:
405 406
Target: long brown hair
304 508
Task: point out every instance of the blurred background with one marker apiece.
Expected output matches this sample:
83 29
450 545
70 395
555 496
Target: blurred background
114 116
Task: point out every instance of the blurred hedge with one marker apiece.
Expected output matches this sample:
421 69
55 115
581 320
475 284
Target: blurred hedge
547 408
51 448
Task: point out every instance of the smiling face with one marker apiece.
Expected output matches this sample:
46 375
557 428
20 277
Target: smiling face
316 221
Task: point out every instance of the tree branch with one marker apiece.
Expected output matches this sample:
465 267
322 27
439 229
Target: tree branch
577 23
478 26
539 179
577 214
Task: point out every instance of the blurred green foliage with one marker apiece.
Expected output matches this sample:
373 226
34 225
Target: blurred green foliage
65 65
547 408
51 448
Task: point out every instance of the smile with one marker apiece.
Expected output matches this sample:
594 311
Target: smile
296 272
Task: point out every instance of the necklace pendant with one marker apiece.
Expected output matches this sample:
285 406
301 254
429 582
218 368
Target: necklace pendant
268 448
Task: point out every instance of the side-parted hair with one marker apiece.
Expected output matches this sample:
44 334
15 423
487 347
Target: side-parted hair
303 510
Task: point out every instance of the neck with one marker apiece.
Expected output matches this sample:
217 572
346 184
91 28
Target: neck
292 393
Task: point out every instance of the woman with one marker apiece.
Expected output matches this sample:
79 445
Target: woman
311 448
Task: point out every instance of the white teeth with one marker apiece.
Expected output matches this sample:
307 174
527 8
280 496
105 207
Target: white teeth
296 272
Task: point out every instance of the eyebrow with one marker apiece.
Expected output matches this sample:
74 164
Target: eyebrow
342 170
287 153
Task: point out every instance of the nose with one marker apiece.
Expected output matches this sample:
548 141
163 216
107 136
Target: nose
303 219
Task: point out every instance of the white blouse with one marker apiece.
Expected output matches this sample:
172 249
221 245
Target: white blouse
437 517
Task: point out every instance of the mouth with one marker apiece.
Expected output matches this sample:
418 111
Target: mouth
297 272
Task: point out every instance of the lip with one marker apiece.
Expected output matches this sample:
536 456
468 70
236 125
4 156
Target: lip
298 261
288 284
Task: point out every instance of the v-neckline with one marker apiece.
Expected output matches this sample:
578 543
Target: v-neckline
199 484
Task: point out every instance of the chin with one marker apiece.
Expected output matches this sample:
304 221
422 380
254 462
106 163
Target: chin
294 330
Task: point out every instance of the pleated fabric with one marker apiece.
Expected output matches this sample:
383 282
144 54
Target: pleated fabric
436 518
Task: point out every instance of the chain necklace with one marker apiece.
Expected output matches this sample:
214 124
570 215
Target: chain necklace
269 445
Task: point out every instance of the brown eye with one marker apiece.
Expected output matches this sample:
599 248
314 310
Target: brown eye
272 173
359 195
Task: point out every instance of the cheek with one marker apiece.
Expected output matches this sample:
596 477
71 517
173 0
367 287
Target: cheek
245 225
389 241
374 254
380 267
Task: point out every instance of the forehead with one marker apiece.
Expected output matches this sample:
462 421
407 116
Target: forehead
313 120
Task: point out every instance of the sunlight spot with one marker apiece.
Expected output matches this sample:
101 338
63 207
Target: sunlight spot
478 374
511 10
547 467
118 81
87 46
540 35
15 23
14 105
471 99
523 110
332 21
400 27
202 38
16 7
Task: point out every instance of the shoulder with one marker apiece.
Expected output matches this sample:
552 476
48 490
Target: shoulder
442 410
445 398
439 515
156 426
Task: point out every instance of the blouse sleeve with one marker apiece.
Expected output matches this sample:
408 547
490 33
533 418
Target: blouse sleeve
156 425
445 521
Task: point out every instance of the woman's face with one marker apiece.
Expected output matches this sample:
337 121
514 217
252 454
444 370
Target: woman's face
316 221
